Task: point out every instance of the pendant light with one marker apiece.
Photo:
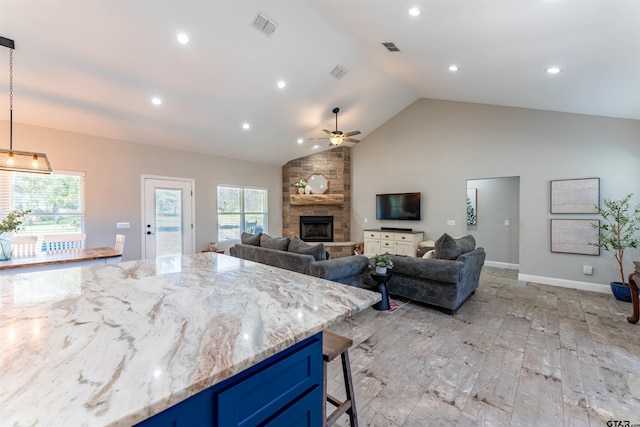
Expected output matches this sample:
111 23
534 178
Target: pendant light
13 160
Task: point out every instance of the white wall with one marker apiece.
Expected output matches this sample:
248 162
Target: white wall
435 146
498 201
113 180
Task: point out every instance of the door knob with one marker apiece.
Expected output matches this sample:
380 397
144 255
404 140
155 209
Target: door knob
148 232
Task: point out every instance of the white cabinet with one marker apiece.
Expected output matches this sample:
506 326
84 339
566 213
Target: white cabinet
393 242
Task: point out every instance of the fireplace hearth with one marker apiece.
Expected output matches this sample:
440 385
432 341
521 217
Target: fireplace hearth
316 228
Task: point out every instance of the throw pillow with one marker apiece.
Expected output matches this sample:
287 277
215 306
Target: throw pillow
279 243
250 239
299 246
429 254
446 247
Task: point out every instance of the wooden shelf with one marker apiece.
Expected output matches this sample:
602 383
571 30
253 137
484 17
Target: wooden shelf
317 199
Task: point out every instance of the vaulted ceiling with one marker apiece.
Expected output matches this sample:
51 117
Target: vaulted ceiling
93 66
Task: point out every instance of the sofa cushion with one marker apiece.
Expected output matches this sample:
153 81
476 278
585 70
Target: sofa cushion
446 247
250 239
279 243
299 246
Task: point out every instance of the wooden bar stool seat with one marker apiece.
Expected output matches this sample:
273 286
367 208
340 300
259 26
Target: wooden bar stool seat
333 346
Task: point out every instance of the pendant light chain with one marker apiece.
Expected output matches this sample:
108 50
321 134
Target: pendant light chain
10 99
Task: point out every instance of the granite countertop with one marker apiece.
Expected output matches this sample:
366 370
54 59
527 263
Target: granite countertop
114 344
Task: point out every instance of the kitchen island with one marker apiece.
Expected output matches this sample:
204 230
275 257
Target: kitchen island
118 343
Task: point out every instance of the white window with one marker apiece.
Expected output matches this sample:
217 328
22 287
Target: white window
241 209
56 201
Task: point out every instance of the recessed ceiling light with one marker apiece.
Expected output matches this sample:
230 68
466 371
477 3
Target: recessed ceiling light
414 11
300 140
554 70
156 100
453 68
246 126
182 38
281 84
315 146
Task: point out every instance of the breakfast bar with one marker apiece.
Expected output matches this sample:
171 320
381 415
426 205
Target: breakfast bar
48 261
117 344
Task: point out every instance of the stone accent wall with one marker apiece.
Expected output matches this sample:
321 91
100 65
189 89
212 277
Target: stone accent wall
335 165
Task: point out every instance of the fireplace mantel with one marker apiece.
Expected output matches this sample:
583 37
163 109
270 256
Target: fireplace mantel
317 199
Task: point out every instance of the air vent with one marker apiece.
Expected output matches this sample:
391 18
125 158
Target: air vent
339 72
391 47
264 24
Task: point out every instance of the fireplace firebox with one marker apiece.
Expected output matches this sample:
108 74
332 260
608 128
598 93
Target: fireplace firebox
316 228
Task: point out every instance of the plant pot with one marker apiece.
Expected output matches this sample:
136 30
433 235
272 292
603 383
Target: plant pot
381 270
6 249
300 190
622 292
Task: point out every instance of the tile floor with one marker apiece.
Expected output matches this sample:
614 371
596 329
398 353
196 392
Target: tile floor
515 354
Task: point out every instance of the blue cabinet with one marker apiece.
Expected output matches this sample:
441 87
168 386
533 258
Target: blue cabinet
284 390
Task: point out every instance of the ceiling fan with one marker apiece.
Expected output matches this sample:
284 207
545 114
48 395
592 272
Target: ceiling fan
337 137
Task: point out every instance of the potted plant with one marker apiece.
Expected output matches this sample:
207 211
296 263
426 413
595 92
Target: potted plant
381 263
10 224
300 185
618 233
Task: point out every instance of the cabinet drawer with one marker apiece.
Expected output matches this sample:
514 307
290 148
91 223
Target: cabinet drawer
262 395
403 237
371 235
386 235
387 246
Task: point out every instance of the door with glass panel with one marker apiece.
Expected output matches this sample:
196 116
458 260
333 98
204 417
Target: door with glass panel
167 217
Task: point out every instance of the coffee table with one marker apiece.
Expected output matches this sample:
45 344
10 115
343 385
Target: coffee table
381 280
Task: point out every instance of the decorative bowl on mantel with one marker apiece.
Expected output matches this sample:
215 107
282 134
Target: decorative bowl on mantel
318 184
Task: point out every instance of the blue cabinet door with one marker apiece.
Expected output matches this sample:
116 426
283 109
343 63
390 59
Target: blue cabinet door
283 390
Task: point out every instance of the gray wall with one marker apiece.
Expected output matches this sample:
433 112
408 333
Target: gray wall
113 172
498 201
435 146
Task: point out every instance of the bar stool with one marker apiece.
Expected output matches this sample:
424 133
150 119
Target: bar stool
333 346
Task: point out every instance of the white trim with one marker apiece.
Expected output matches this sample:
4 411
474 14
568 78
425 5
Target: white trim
574 284
505 265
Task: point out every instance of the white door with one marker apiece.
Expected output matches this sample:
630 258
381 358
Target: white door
167 217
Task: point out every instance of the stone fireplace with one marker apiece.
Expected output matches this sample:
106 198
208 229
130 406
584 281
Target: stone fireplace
316 228
335 166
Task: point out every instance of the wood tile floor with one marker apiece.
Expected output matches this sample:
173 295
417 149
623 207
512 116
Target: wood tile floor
515 354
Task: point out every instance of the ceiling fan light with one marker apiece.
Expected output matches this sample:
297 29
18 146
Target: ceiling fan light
336 139
10 159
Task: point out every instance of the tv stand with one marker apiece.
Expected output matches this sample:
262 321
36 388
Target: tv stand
397 241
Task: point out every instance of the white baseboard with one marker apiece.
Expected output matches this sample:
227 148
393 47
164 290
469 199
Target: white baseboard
574 284
504 265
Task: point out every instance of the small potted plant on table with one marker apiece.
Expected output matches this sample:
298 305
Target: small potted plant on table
618 233
381 263
8 225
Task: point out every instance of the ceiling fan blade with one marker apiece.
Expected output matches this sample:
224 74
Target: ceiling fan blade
315 139
351 140
328 132
355 132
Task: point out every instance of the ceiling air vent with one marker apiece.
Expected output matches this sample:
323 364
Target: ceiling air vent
339 72
265 25
391 47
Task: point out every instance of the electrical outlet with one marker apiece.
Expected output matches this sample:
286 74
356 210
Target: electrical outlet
587 269
366 220
451 222
506 223
121 225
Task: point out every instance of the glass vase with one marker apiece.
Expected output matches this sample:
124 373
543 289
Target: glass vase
6 249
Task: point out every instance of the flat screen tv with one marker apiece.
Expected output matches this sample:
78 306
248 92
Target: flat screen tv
404 206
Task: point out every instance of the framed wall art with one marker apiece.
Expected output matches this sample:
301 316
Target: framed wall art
575 196
575 236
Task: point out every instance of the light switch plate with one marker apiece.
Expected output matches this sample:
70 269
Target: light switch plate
121 225
451 222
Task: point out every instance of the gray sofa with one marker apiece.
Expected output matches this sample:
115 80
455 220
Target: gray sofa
346 270
445 281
